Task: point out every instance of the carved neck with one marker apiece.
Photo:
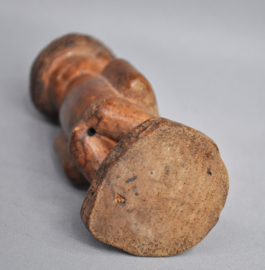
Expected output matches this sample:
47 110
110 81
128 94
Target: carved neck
71 71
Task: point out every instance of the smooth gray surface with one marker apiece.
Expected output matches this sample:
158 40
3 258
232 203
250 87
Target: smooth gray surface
205 60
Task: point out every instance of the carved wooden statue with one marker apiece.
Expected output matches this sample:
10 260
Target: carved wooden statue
157 186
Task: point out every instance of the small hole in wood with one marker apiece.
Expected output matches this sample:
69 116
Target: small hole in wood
209 172
91 132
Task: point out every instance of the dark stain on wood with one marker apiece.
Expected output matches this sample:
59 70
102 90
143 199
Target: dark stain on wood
131 179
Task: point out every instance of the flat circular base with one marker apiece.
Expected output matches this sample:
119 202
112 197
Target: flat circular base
158 192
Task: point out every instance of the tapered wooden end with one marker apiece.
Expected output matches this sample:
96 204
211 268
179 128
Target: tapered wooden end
59 64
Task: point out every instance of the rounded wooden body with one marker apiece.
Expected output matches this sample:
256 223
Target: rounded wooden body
157 186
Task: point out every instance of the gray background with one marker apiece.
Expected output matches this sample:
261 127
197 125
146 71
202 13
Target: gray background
205 60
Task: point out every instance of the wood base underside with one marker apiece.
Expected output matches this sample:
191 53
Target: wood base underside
159 191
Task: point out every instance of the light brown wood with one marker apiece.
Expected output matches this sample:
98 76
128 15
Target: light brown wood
159 192
157 186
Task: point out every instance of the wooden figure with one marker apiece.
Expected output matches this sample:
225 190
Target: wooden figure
157 186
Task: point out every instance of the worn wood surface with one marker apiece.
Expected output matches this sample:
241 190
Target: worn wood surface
157 186
159 192
59 64
70 169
